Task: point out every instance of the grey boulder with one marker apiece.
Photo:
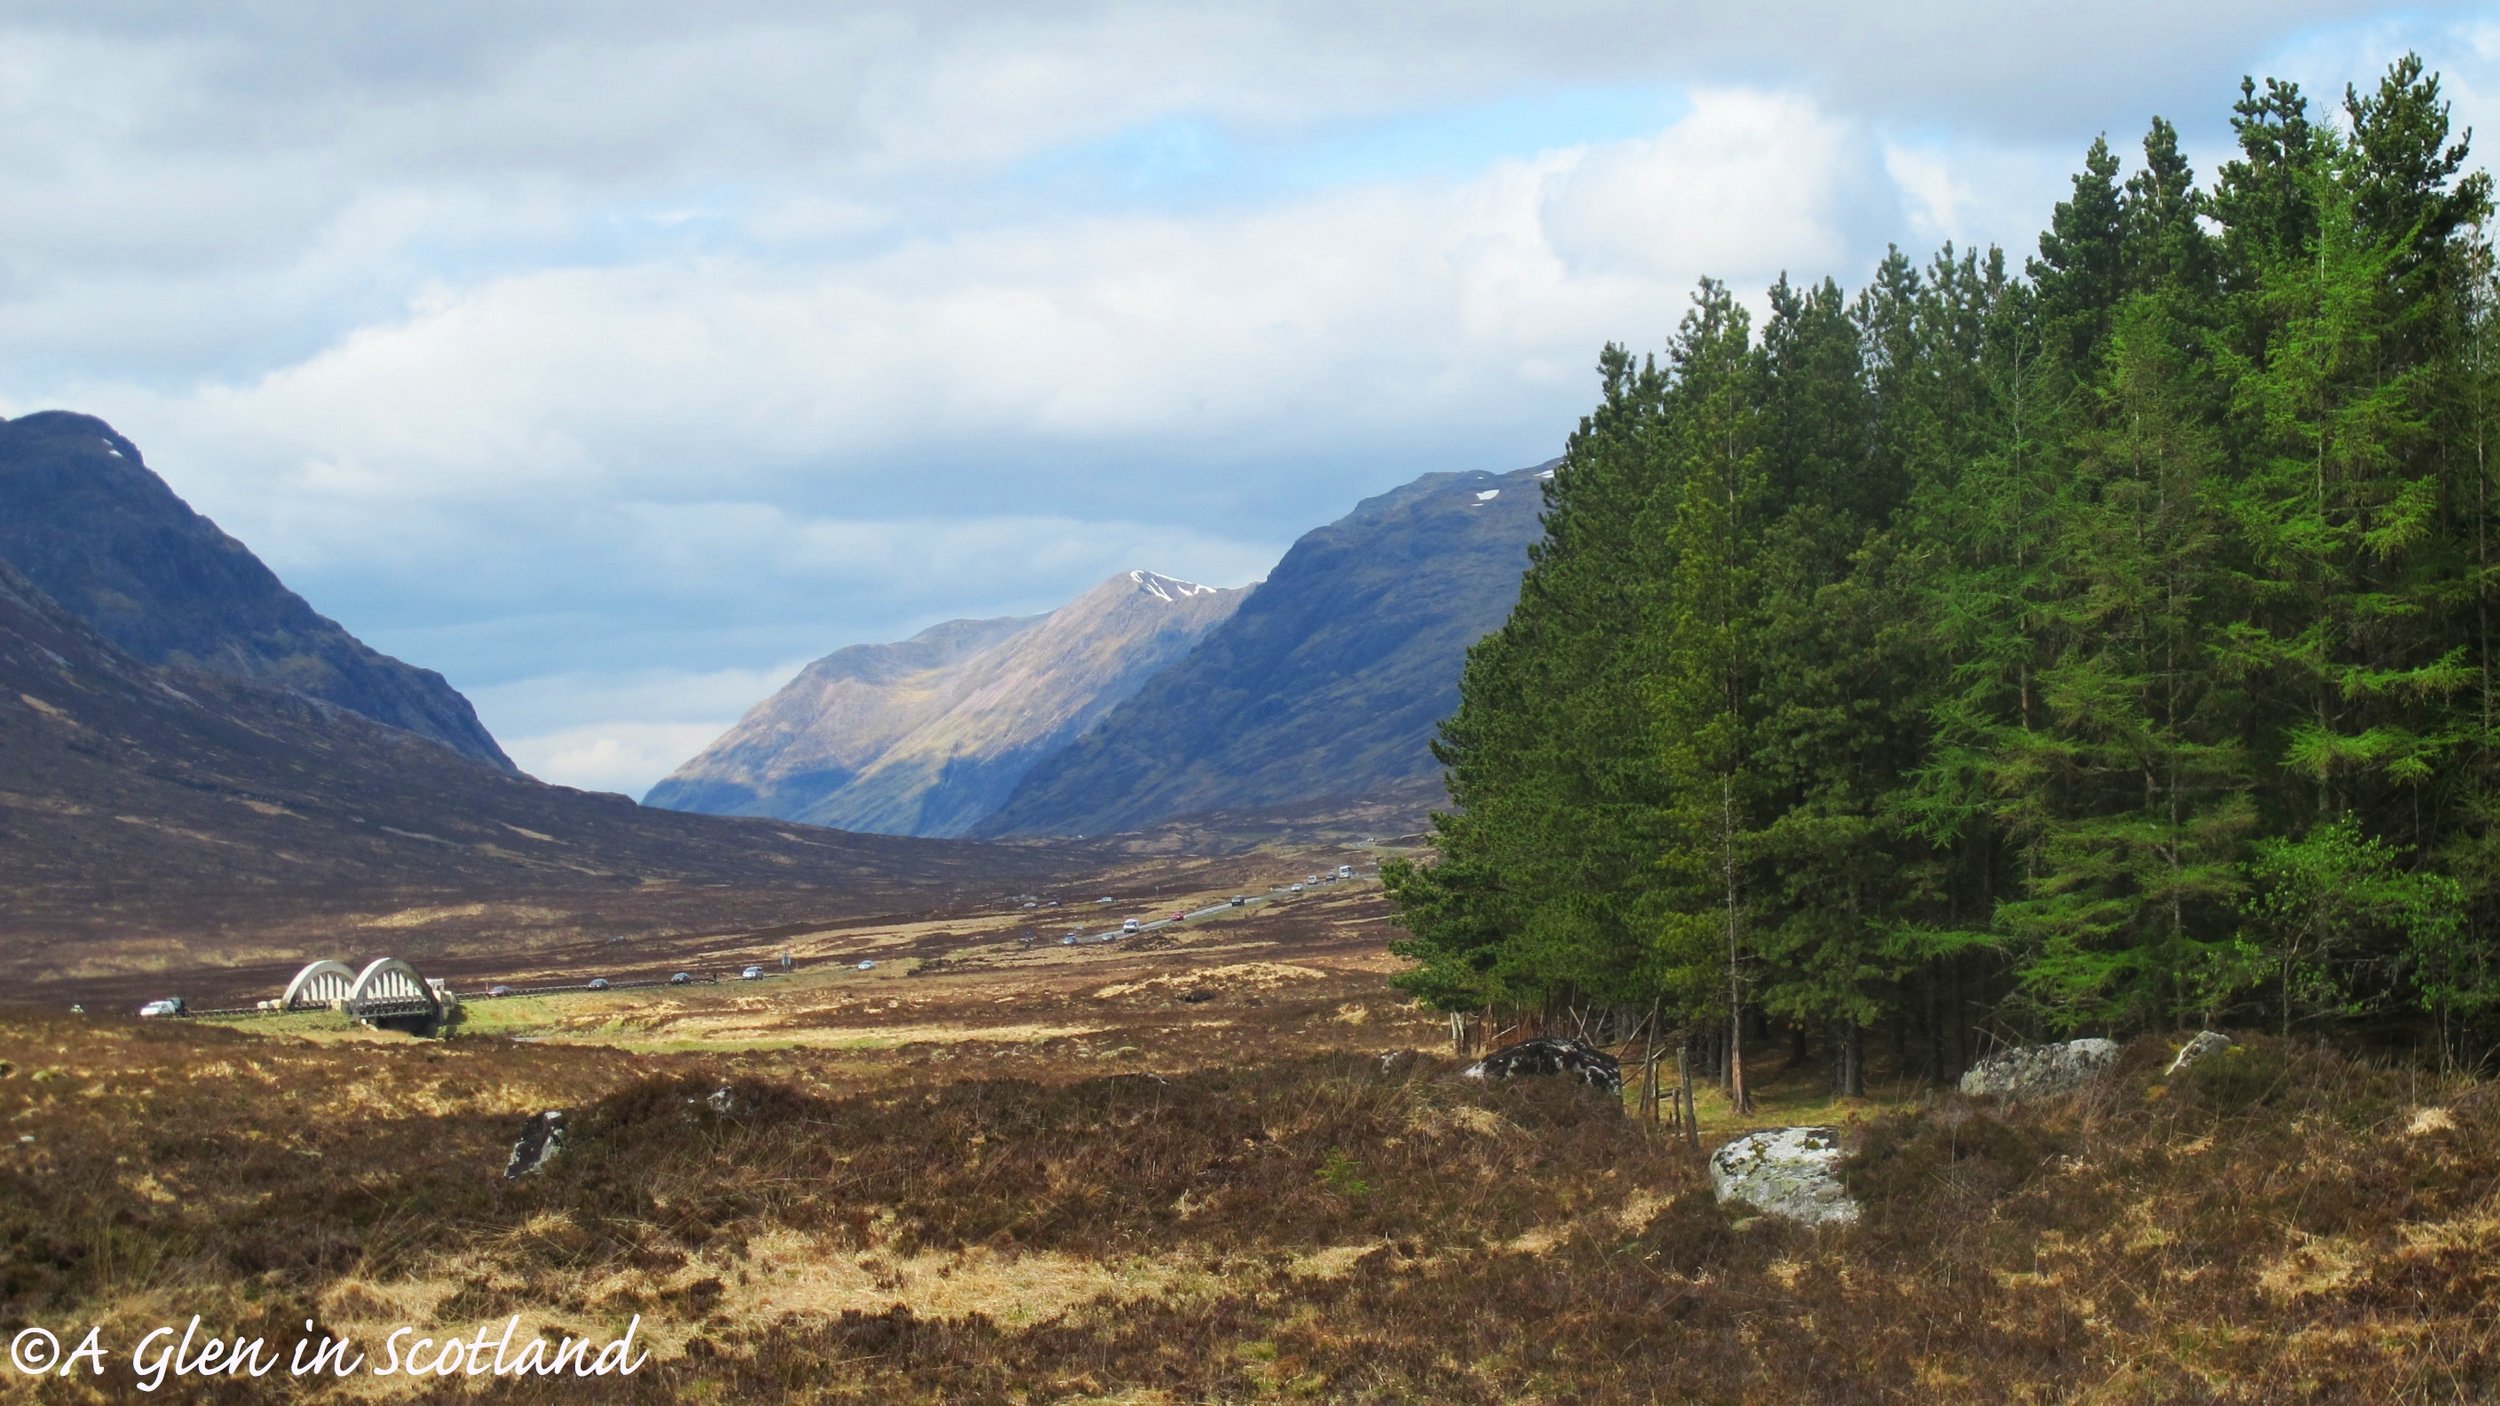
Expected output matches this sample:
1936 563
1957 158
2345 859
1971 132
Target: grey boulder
1791 1172
2205 1044
1554 1058
2035 1070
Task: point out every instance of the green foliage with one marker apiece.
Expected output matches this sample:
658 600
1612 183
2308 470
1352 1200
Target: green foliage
1343 1175
2097 649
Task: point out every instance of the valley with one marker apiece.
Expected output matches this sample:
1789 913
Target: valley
1224 1161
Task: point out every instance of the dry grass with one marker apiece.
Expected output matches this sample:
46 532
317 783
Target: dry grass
1255 1205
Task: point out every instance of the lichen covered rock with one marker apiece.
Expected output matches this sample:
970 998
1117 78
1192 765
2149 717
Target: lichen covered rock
1791 1172
2035 1070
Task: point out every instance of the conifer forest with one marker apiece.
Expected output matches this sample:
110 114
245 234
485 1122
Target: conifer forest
2086 643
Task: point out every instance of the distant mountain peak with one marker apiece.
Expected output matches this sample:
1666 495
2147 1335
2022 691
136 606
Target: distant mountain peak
1324 686
928 736
1167 588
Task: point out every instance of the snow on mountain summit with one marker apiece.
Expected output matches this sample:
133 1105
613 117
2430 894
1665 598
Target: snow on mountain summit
1167 588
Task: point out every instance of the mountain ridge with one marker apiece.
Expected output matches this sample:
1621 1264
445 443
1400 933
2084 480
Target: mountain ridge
1326 685
203 817
927 735
102 536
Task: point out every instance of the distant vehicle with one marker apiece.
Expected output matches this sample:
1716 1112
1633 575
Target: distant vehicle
680 978
1238 900
1310 878
1054 903
867 966
1345 871
1297 888
1032 905
1068 941
751 974
598 983
1129 926
1102 900
1179 917
498 990
171 1005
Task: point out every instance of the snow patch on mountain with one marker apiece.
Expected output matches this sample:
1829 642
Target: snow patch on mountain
1168 588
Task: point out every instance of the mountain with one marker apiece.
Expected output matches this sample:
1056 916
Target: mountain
928 736
94 529
832 722
161 814
1327 683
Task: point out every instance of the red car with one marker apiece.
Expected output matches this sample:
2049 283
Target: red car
1180 917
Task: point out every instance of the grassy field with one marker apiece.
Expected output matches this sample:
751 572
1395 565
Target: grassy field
1230 1167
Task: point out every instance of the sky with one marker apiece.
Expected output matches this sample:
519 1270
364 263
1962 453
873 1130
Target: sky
617 359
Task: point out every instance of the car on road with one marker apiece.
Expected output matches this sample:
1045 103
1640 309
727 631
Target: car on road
1102 900
1068 941
867 966
1238 900
171 1005
1129 926
1179 917
1345 871
1297 888
680 978
1310 878
499 990
598 983
751 974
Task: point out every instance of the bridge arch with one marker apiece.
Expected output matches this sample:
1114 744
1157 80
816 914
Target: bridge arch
320 984
389 988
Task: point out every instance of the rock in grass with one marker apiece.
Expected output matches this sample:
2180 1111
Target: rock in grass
2206 1043
1791 1172
542 1137
2035 1070
1550 1056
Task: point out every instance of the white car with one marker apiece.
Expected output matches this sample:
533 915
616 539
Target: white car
751 974
1068 941
1129 926
1297 888
171 1005
867 966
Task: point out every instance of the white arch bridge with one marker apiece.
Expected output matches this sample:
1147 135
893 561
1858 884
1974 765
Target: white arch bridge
387 989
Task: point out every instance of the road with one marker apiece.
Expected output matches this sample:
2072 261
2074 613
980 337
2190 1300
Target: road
1280 891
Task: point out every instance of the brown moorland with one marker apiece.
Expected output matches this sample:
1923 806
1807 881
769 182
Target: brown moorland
1204 1171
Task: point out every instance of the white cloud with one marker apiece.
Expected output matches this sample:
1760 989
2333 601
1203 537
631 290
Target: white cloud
606 356
1748 182
626 756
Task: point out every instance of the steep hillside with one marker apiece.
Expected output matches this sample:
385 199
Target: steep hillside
89 523
1324 686
138 800
928 736
833 721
